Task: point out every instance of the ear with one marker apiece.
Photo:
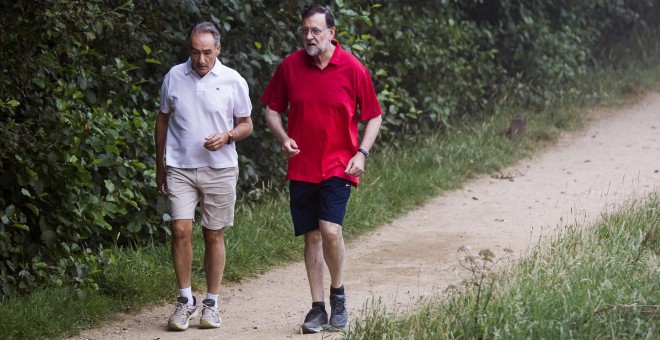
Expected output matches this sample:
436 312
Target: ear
219 48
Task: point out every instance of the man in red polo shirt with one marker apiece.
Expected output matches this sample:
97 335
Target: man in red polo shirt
323 86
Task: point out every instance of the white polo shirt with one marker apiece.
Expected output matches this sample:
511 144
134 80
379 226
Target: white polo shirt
199 107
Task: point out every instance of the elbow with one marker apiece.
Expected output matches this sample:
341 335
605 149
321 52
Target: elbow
245 127
249 129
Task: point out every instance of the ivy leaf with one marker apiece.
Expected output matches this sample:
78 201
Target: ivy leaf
109 185
34 209
25 192
60 104
21 226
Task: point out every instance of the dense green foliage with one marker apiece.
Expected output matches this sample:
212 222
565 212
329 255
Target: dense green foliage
79 85
75 151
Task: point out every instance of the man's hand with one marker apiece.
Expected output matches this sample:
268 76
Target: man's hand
355 166
290 148
215 141
161 182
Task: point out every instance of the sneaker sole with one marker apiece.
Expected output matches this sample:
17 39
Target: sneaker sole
306 330
336 328
209 325
175 327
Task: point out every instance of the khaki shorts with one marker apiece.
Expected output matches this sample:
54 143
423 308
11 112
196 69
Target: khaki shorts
215 189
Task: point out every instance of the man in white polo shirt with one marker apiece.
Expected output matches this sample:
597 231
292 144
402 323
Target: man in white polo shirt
204 107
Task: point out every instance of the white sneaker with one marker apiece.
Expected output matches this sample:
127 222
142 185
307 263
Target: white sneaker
210 315
183 312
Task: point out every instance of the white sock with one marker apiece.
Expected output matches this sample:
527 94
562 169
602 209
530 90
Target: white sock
212 297
187 293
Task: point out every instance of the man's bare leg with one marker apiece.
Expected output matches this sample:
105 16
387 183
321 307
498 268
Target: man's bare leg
314 264
214 259
333 251
182 251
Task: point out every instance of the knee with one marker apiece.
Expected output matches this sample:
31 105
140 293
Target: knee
313 238
181 231
332 235
212 237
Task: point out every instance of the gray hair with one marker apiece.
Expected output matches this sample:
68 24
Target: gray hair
205 27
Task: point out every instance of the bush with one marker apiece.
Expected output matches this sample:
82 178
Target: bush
76 150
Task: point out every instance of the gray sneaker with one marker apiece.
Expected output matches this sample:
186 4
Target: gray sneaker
315 321
183 312
210 315
338 312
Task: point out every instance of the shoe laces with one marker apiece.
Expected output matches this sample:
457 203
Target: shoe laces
209 309
338 305
314 313
181 309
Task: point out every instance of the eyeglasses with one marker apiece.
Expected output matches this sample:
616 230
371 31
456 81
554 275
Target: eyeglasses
303 31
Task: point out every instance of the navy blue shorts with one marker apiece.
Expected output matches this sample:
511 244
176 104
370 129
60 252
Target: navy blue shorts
311 202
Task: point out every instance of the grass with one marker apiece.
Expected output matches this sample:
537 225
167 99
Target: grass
400 176
600 282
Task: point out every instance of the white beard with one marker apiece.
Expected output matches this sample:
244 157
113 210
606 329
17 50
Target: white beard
317 49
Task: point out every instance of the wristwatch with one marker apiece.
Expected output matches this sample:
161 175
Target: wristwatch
231 137
364 152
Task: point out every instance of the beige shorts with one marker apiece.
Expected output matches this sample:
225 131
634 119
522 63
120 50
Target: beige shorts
215 189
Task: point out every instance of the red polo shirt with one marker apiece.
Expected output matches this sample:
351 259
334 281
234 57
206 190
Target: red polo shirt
323 111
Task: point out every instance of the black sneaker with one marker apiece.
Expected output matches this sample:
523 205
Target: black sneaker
338 312
315 321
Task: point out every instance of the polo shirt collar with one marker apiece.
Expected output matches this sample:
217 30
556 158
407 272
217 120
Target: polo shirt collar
336 55
215 70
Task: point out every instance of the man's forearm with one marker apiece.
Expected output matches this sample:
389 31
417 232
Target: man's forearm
243 128
161 138
370 133
274 121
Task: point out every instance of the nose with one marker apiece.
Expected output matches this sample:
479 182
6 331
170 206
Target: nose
309 34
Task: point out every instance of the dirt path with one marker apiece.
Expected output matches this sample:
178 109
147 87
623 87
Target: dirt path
613 160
